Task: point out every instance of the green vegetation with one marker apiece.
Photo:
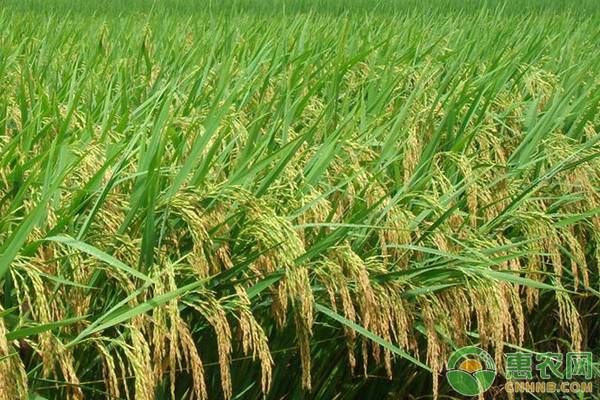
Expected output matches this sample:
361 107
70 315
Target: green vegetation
298 200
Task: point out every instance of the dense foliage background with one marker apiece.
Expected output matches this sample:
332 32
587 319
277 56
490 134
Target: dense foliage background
308 199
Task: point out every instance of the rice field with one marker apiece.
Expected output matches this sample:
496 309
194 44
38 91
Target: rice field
293 200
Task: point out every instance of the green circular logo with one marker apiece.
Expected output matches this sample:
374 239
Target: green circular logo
471 371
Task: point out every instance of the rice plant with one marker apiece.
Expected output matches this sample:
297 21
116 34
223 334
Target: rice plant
286 200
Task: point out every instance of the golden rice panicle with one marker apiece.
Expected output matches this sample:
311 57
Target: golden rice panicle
111 215
186 205
193 361
302 300
164 327
141 362
109 369
13 377
387 315
387 321
270 231
494 317
124 366
474 191
356 272
412 153
330 275
254 339
275 236
402 316
33 299
397 232
461 315
514 299
210 308
435 352
578 260
66 362
569 318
